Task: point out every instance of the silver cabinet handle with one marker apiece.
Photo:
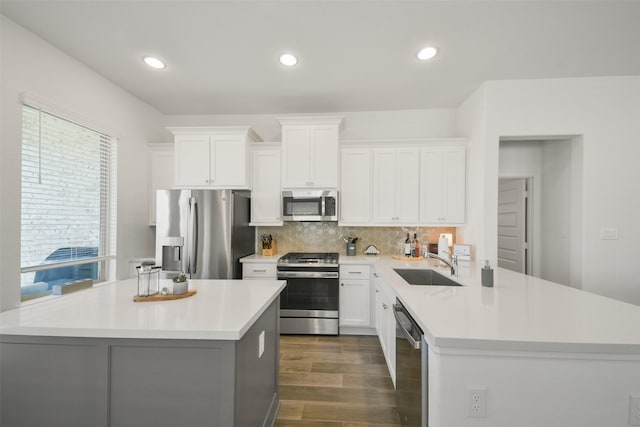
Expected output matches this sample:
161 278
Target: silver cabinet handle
355 272
259 271
375 275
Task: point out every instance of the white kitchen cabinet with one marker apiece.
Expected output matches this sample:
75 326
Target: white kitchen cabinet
213 157
396 185
355 186
266 207
310 151
442 185
385 323
355 295
259 270
161 174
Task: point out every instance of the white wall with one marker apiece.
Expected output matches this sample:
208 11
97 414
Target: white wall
471 122
404 124
604 112
29 64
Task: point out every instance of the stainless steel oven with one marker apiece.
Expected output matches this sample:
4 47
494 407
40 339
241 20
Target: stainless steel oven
309 303
412 370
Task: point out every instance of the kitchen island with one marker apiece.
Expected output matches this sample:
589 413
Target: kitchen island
97 358
546 354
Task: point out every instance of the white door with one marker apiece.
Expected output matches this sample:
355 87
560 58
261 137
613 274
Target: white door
192 161
355 186
265 196
407 188
384 185
296 157
229 161
324 156
512 224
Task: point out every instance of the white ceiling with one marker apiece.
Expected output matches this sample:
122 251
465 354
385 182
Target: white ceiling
353 55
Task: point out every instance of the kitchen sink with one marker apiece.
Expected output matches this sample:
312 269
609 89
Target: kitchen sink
424 277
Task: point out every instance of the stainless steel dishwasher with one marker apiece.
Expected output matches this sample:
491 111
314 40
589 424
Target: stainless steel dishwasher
412 374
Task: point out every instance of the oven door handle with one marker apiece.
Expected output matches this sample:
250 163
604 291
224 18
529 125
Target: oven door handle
402 324
307 274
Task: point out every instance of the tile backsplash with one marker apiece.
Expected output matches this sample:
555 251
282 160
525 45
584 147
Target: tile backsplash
327 237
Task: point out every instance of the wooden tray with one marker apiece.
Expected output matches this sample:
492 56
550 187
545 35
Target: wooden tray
160 297
406 258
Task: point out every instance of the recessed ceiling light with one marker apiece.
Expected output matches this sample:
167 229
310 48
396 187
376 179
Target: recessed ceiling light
427 53
154 62
288 59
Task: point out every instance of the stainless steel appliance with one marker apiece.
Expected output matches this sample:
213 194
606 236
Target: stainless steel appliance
310 205
203 233
309 302
412 373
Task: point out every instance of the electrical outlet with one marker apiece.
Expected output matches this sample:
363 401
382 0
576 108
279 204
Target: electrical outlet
261 344
476 402
634 410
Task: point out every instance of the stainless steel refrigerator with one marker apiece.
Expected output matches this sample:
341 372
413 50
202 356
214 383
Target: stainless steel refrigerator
203 233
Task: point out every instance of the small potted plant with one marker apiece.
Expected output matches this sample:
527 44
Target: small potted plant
180 284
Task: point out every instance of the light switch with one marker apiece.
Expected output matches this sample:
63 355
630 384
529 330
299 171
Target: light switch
609 233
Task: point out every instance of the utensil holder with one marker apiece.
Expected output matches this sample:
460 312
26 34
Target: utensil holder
270 251
351 248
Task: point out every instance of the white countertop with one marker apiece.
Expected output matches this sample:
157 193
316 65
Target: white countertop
220 310
261 258
518 313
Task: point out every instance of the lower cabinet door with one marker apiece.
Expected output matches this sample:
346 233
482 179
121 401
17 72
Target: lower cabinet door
354 302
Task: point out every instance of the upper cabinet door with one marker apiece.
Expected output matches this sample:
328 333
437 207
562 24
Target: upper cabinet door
296 157
213 157
355 187
324 156
192 161
384 186
310 151
265 196
396 185
229 161
407 185
442 185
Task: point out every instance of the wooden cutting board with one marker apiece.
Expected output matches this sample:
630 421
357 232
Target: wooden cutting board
406 258
160 297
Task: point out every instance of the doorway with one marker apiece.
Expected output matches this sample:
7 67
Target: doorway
540 207
514 224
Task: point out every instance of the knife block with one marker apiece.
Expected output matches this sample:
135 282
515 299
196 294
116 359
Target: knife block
271 251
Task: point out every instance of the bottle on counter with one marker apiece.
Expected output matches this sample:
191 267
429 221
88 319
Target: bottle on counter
407 246
416 244
487 275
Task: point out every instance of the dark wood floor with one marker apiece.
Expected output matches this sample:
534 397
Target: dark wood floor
334 382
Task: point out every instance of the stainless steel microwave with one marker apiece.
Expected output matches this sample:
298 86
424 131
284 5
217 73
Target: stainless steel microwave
310 205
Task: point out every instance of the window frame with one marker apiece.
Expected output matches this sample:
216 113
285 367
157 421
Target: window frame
107 241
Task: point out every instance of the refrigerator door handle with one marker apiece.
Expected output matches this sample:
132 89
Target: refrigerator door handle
192 262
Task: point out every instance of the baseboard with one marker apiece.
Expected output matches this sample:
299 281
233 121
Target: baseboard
272 414
357 330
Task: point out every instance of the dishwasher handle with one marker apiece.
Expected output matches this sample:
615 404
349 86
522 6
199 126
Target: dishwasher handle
404 323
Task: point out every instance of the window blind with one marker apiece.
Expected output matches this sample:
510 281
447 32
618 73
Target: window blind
68 206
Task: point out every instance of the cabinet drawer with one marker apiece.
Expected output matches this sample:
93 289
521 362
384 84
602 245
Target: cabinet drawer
259 271
355 272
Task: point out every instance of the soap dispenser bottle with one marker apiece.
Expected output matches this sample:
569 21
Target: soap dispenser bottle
487 275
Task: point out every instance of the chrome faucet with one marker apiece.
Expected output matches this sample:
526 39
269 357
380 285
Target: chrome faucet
453 264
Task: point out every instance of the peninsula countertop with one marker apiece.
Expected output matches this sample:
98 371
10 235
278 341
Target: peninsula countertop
220 310
519 313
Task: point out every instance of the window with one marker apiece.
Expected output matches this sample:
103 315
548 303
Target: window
68 203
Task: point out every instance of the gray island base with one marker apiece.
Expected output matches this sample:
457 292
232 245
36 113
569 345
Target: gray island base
88 381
